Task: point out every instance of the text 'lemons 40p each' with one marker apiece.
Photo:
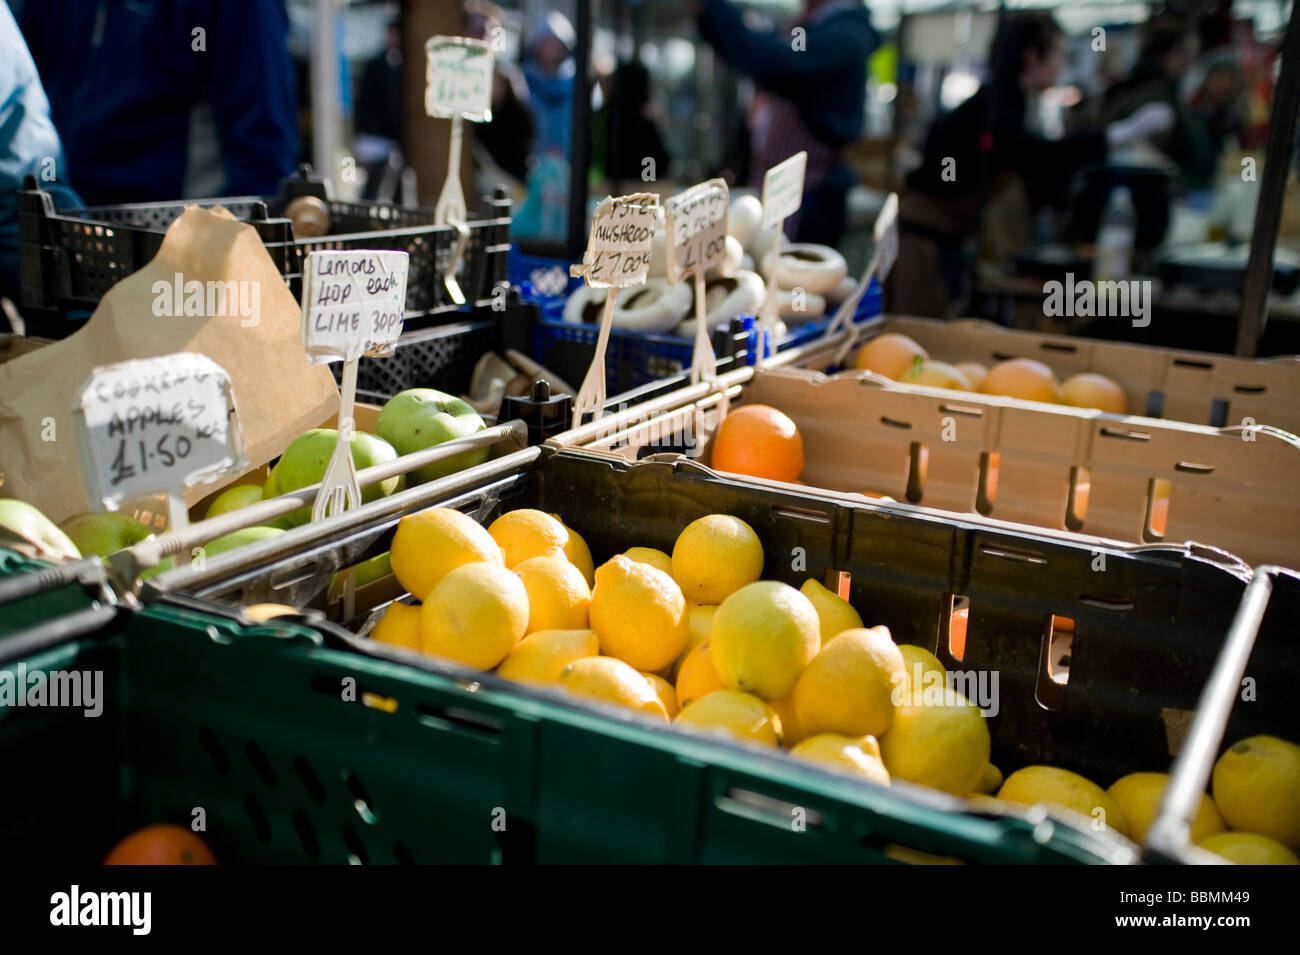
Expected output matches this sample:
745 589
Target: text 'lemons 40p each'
857 756
613 681
737 714
639 614
1061 789
476 614
763 636
429 545
848 687
941 742
715 556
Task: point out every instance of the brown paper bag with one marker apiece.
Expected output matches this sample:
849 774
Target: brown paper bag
254 334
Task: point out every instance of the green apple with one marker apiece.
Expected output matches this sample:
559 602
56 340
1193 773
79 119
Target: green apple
419 418
233 498
368 571
305 459
104 534
24 527
269 489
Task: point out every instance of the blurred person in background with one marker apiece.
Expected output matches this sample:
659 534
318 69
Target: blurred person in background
29 146
158 101
549 70
379 118
1217 104
632 132
811 96
508 138
984 147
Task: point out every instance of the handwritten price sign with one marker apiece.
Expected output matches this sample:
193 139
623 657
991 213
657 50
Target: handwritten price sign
697 229
352 303
458 78
157 424
783 189
618 250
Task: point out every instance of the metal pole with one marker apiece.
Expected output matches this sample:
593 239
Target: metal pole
1268 211
580 149
324 91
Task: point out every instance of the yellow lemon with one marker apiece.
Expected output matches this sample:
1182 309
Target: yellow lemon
697 677
848 687
429 545
639 614
612 681
1246 848
860 757
264 612
648 555
715 556
1062 789
990 781
527 533
1138 795
558 597
942 742
792 728
741 715
834 613
1256 785
476 615
763 636
919 662
699 624
541 656
664 690
399 626
578 553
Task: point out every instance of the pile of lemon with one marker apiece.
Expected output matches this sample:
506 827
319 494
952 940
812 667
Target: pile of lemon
698 639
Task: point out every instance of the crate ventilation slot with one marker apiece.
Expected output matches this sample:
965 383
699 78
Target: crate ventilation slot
768 809
805 514
1191 467
1054 661
1125 434
1003 552
1059 346
964 410
1250 389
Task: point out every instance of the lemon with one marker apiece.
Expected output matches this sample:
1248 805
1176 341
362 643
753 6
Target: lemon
1247 848
860 757
741 715
1138 795
990 781
921 668
715 556
1256 785
476 615
399 626
848 687
944 745
648 555
578 553
639 614
763 636
792 728
699 623
264 612
1062 789
558 596
527 533
834 613
612 681
541 656
664 690
697 677
429 545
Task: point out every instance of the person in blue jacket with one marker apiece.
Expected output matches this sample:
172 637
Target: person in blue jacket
167 99
29 146
550 73
812 92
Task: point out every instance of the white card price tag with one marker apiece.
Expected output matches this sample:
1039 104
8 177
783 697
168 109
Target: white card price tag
458 78
697 229
783 189
352 303
618 249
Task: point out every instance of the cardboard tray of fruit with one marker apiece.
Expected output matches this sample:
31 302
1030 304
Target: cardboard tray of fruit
1086 658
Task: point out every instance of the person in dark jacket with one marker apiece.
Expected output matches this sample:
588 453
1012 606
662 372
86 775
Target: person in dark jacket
632 135
812 79
379 118
970 152
508 138
158 101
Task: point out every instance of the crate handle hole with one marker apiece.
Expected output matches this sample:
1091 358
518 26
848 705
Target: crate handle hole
770 810
1054 661
918 469
1156 520
986 488
1076 503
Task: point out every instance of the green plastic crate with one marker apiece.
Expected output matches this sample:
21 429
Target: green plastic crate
58 594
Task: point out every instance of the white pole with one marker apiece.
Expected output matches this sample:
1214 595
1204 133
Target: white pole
324 92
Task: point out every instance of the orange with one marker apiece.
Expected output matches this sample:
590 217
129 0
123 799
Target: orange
759 441
890 354
957 632
1095 391
1022 378
162 844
